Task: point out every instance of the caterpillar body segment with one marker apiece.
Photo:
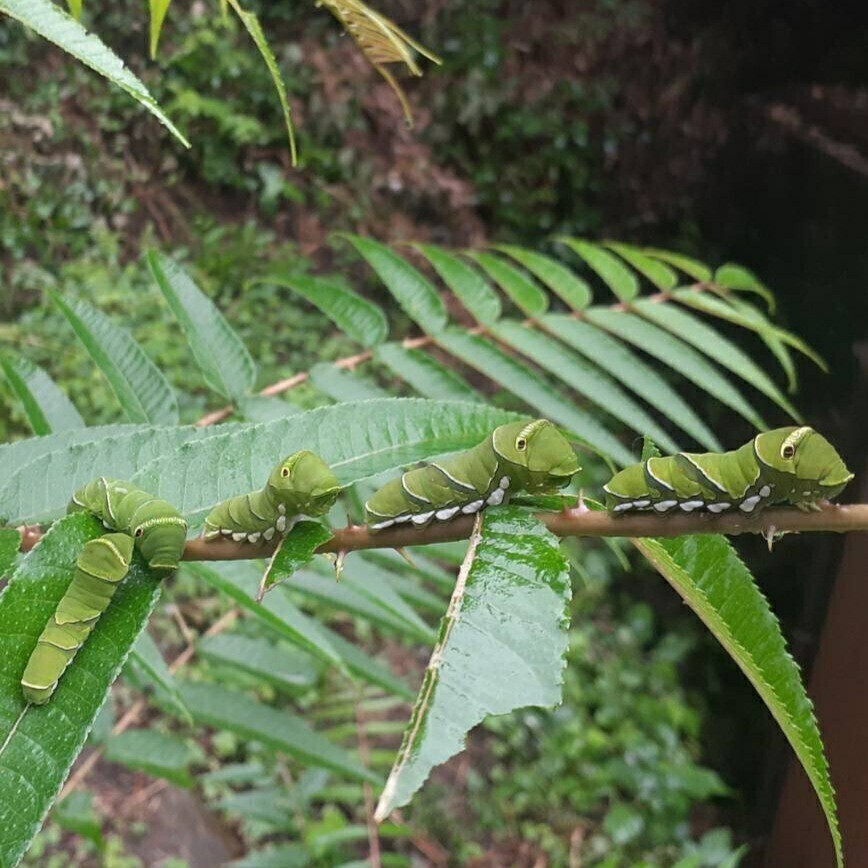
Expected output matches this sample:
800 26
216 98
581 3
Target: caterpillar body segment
300 485
532 457
102 565
787 465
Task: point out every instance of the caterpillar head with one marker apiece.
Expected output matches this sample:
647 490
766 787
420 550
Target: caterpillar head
305 484
161 539
544 456
806 455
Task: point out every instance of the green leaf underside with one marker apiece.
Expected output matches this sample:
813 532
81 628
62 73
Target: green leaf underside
465 282
35 756
45 405
572 289
622 282
653 270
295 551
587 379
288 669
239 583
357 440
280 730
623 364
42 488
411 289
155 754
711 578
142 391
509 616
359 319
691 267
425 374
341 385
677 355
222 358
521 290
488 359
253 27
694 331
53 24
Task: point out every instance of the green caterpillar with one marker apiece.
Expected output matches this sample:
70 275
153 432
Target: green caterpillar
139 519
532 456
787 465
300 485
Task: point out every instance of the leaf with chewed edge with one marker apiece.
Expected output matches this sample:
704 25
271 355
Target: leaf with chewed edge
296 550
509 617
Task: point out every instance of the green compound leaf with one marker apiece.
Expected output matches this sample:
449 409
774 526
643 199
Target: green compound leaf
738 278
227 709
509 617
359 319
226 365
711 578
53 24
295 551
141 389
45 405
39 745
425 374
571 288
411 289
524 293
618 277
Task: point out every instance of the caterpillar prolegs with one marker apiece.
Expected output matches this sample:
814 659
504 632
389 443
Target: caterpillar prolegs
533 457
138 519
301 485
786 465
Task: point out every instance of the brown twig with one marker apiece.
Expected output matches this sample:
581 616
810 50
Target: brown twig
570 522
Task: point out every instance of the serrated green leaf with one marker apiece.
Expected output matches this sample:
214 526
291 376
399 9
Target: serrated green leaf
523 292
45 405
677 355
465 282
10 542
587 379
53 24
220 354
711 578
141 389
39 744
154 753
253 27
691 267
148 663
346 597
655 271
357 440
509 614
42 488
341 385
359 319
411 289
240 585
226 709
288 669
626 366
571 288
425 374
694 331
617 276
533 390
296 550
739 278
158 10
